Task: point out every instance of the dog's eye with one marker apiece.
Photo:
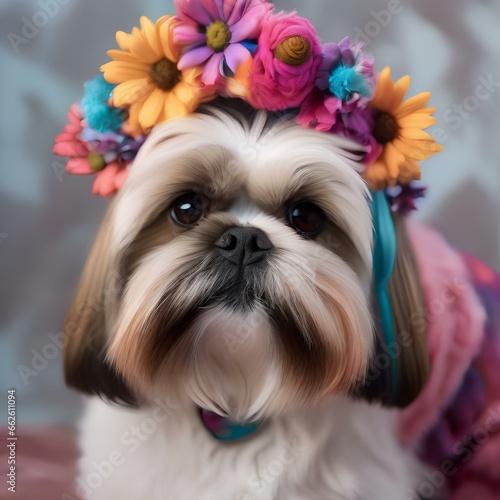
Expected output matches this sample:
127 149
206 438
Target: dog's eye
307 219
188 209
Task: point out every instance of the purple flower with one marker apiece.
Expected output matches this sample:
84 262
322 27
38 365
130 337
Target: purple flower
112 146
344 85
214 31
357 125
402 198
346 73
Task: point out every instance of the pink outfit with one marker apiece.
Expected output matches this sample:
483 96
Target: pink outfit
455 422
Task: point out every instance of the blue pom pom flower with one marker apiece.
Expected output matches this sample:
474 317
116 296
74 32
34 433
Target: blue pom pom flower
99 115
347 74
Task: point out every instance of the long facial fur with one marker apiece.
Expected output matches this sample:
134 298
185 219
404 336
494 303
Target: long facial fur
313 337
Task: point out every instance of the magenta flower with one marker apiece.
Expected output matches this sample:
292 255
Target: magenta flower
214 31
318 111
285 64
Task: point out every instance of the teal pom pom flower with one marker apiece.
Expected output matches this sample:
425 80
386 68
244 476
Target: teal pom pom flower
344 81
99 115
347 73
344 86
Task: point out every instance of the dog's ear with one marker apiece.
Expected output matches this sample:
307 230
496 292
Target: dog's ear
87 323
408 306
399 369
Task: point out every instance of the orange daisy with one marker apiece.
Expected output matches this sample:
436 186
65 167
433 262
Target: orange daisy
238 85
399 129
148 81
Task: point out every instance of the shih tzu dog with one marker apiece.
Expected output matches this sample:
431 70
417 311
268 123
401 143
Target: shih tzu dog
256 318
231 278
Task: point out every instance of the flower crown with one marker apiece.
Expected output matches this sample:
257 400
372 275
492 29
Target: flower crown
273 61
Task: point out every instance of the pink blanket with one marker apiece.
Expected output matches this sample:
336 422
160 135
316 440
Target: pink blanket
45 463
455 423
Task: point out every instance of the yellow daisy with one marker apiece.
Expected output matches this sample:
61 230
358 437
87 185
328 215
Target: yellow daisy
149 83
399 129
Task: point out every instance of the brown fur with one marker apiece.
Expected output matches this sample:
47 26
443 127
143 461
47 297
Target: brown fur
85 326
412 362
407 304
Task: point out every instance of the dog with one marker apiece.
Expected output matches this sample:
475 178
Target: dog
231 280
257 318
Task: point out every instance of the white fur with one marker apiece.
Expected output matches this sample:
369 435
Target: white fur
245 210
340 451
235 364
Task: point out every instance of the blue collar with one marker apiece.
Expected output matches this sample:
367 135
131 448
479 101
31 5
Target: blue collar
225 429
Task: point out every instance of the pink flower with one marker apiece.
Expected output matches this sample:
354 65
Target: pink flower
83 161
68 143
109 180
214 31
319 112
285 64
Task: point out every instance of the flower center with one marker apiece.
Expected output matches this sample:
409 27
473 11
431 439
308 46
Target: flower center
294 50
386 128
96 161
218 36
165 74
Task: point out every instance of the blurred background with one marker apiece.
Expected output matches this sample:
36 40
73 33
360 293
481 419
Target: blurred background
48 219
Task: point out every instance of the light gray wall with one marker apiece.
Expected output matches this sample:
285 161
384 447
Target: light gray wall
48 219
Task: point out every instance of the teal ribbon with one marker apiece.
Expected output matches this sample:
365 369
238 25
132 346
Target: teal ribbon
384 260
234 431
225 429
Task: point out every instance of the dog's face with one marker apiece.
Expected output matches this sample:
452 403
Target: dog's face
236 269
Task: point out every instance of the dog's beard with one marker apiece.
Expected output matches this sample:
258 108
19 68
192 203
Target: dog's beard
235 368
295 330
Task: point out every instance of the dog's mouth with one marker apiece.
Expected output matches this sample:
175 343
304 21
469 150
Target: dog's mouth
241 294
238 288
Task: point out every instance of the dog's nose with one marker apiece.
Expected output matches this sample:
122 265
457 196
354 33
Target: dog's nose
244 246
